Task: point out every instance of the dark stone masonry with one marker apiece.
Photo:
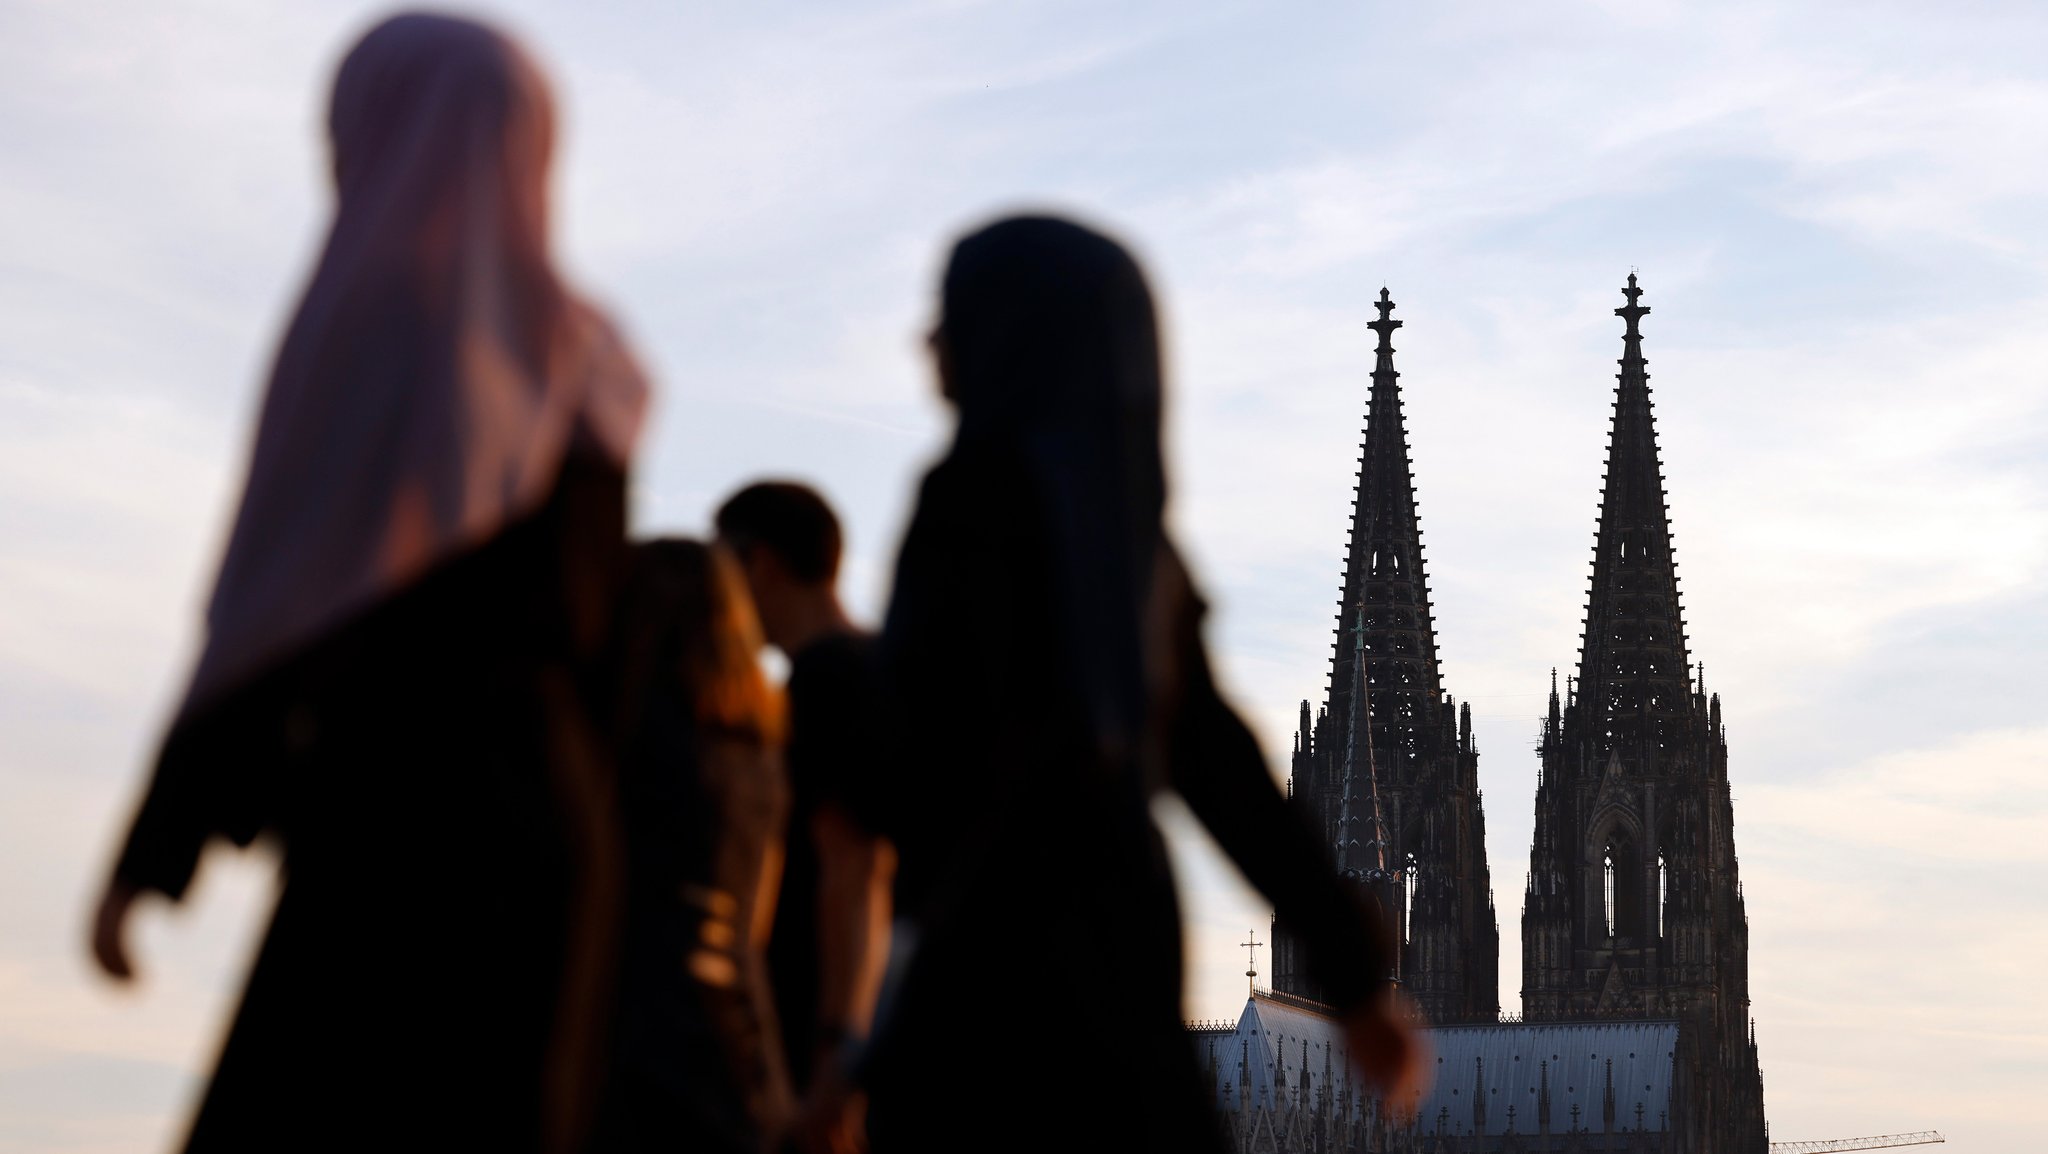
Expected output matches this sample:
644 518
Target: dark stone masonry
1635 1032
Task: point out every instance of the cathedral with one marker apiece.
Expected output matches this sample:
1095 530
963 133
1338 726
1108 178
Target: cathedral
1634 1032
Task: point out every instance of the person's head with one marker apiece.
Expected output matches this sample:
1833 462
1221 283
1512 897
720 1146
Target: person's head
787 541
442 132
437 371
685 614
1045 323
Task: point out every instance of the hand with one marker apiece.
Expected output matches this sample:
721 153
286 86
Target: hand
1389 1051
833 1117
109 930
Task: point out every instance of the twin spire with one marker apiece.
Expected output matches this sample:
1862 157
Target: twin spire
1386 591
1384 678
1633 664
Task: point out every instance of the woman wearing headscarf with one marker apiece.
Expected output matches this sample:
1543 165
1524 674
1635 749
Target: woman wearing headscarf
401 644
696 1061
1044 643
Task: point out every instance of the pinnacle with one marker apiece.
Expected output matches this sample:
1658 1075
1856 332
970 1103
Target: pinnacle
1634 628
1385 562
1385 327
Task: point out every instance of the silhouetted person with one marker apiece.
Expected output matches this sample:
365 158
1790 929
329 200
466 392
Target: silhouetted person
401 646
831 933
697 1064
1044 642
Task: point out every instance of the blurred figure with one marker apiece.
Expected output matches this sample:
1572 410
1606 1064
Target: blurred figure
402 641
831 937
697 1063
1045 644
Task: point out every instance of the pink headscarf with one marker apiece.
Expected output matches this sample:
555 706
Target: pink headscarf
437 370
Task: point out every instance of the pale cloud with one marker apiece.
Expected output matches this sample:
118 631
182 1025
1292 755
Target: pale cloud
1908 912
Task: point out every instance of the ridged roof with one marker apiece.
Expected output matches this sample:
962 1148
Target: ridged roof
1280 1039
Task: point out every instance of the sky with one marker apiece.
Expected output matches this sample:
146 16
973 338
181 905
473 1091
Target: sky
1836 209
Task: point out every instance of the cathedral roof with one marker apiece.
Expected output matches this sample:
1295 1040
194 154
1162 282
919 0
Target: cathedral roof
1284 1044
1581 1060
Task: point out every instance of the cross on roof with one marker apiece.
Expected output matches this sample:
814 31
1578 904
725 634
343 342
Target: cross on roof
1251 945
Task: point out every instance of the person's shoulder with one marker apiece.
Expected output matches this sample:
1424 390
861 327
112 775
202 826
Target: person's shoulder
1173 586
835 657
974 485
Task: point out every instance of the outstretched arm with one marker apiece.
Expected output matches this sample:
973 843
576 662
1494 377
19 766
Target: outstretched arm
1216 765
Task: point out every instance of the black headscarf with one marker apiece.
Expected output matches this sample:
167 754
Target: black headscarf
1054 350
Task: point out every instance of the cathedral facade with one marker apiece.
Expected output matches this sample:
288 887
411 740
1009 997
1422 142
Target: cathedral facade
1634 937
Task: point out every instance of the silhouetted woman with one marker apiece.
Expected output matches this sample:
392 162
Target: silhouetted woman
697 1062
401 644
1045 645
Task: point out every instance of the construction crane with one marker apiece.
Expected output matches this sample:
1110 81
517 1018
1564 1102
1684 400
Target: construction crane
1881 1141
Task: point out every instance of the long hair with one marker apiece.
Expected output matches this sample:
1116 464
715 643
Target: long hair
1054 345
686 621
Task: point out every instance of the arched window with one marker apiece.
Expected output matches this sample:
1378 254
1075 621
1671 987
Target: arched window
1607 890
1621 866
1408 887
1663 891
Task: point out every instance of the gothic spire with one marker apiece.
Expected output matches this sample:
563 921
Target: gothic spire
1384 577
1554 721
1359 811
1633 671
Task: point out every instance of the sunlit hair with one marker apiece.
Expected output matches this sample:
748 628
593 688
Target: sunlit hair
686 614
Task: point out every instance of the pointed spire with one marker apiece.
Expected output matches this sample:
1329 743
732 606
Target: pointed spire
1361 824
1633 671
1351 801
1478 1094
1244 1077
1384 576
1553 723
1607 1101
